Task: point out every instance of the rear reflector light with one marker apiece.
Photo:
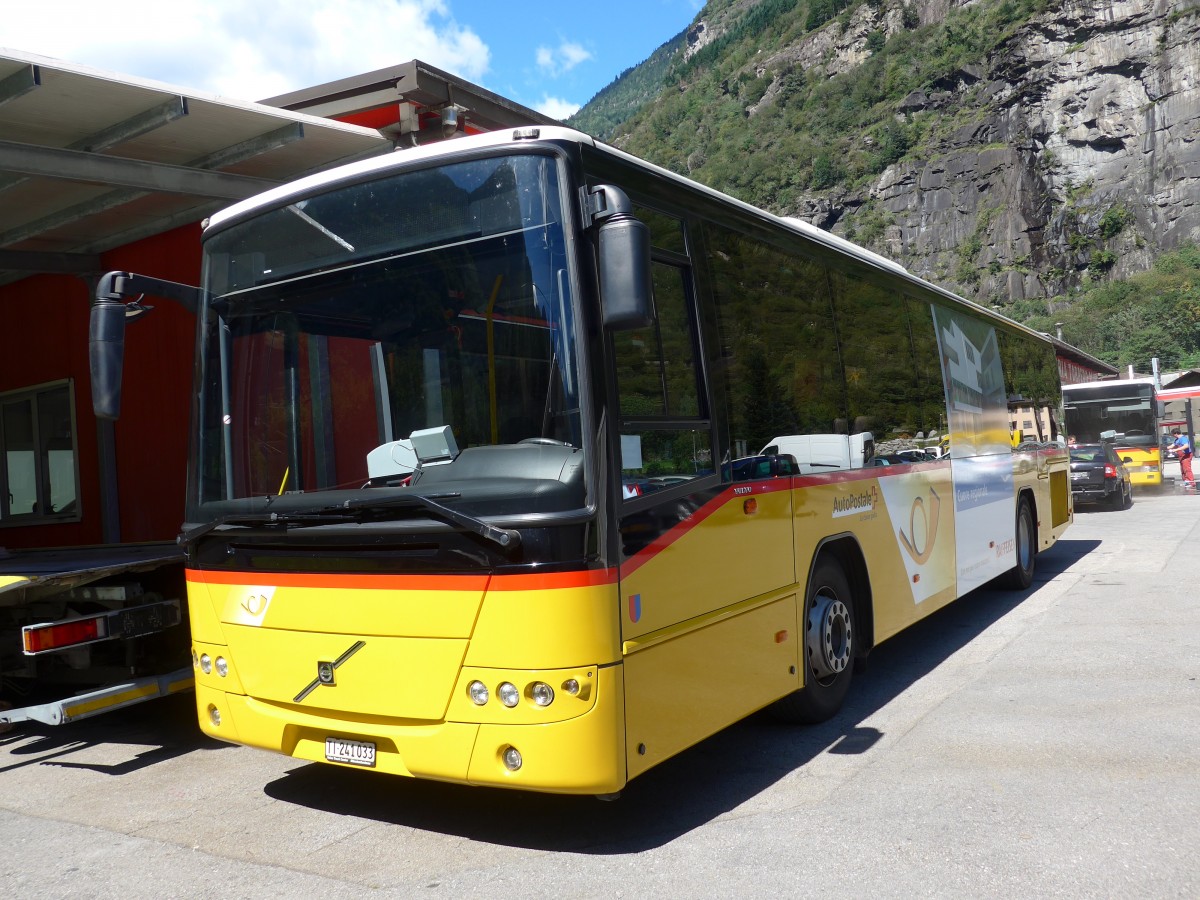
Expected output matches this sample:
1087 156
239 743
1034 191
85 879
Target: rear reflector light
1110 471
40 638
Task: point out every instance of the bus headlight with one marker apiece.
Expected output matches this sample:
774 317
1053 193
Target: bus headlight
478 693
205 663
222 666
541 693
508 694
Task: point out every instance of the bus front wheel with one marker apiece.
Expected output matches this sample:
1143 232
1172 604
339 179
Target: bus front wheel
829 646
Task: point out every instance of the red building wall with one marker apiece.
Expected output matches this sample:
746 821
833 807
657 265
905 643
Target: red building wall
45 339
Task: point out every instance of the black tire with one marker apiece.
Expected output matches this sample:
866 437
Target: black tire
1020 576
1128 498
1116 500
830 636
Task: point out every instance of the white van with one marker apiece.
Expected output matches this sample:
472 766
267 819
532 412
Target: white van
817 453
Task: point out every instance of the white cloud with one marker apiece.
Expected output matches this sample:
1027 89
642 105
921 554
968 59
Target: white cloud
572 55
563 58
557 108
246 49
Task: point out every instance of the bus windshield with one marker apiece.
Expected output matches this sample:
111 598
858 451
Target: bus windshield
1123 413
338 325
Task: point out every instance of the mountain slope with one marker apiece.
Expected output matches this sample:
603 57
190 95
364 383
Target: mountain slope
1010 149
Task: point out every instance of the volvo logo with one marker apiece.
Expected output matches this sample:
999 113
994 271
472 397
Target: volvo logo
326 670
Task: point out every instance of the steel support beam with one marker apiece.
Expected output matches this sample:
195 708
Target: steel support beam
20 82
226 156
135 126
74 165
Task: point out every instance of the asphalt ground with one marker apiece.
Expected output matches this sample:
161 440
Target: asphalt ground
1035 744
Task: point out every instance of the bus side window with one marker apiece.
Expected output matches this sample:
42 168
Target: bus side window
776 370
931 391
665 439
882 383
1031 374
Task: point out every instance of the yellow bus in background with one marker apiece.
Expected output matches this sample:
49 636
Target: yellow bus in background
1125 413
468 496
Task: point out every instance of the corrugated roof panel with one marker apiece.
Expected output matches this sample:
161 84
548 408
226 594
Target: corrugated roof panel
101 117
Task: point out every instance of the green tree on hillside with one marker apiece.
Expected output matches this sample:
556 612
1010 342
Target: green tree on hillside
1128 322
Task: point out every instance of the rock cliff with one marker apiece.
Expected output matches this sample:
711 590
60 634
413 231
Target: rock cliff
1066 150
1077 156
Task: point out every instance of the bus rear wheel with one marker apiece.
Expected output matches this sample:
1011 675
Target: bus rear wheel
1020 576
829 647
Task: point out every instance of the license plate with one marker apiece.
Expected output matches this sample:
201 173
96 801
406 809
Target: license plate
356 753
1079 476
149 619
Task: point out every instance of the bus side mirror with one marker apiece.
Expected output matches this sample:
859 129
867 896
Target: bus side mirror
106 331
626 289
106 342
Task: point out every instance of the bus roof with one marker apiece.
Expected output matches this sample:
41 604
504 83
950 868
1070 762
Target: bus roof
506 137
1086 386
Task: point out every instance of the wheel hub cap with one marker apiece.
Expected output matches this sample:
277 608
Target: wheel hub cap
830 643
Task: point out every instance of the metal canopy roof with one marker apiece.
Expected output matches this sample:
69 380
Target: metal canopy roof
91 160
407 101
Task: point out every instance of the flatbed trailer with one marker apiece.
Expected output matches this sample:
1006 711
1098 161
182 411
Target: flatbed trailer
88 630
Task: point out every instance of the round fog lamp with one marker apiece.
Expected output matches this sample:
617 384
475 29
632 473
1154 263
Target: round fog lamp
571 686
205 663
214 716
478 693
512 759
541 693
508 694
222 666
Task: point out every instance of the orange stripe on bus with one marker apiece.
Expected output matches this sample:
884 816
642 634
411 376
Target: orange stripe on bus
553 580
517 582
344 581
675 532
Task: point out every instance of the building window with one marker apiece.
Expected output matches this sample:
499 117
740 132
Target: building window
39 477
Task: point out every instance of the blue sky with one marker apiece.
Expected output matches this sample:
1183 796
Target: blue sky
552 57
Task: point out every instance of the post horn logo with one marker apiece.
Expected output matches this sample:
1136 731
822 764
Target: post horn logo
326 670
920 557
255 604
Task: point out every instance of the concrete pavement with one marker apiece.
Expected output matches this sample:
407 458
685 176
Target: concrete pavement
1041 744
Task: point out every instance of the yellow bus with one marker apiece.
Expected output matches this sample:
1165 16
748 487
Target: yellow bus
1126 413
463 502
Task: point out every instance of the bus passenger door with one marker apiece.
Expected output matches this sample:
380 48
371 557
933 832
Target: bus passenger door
707 572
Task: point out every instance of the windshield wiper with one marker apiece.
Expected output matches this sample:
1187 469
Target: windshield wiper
507 538
319 515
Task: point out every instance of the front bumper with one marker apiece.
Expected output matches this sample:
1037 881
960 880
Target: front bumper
581 755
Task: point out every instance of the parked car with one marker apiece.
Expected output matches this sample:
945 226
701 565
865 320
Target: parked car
771 465
1098 475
